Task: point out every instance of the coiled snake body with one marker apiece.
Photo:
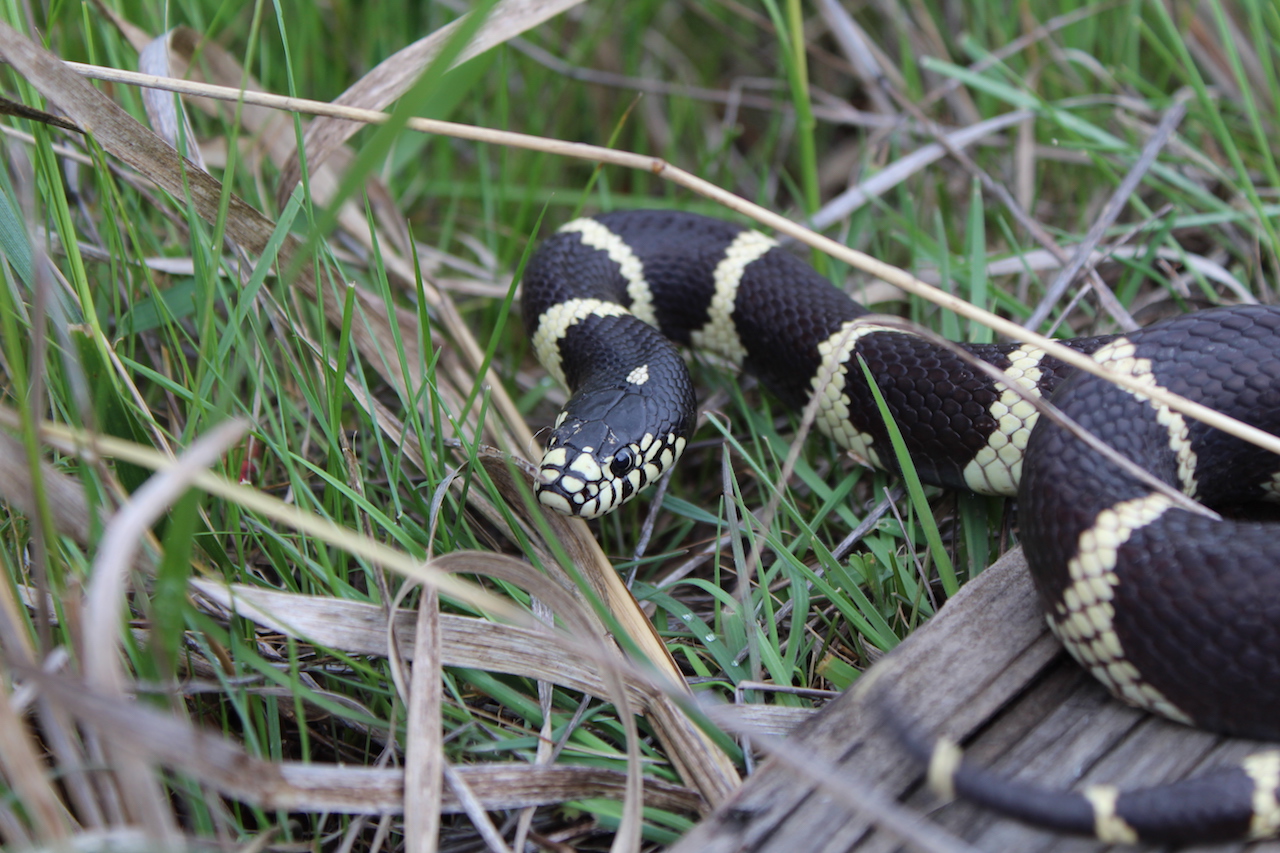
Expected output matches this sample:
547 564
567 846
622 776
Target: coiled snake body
1174 611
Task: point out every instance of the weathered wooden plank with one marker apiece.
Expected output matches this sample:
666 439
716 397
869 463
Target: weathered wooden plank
985 671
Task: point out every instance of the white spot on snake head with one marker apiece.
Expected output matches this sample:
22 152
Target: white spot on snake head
639 375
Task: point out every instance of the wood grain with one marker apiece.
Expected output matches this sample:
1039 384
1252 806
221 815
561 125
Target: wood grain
987 672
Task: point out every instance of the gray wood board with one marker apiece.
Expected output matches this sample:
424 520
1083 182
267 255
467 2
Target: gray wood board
986 672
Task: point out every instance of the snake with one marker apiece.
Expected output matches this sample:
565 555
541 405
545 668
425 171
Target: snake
1175 609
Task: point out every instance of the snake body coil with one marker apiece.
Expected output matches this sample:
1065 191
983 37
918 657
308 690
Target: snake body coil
1173 611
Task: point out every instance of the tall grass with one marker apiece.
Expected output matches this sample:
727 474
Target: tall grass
132 321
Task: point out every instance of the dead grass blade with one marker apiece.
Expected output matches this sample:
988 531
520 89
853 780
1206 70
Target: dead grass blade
392 77
757 718
361 629
657 166
468 642
424 754
24 770
104 605
120 135
1037 260
13 108
167 120
907 165
584 626
1117 202
224 765
198 59
699 761
104 600
64 496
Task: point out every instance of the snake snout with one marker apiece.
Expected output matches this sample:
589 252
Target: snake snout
590 480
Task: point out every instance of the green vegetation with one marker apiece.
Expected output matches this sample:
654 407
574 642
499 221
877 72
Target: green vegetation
348 330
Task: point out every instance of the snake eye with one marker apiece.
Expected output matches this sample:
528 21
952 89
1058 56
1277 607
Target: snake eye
623 462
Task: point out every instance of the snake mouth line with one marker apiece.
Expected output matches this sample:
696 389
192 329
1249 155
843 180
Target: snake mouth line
588 486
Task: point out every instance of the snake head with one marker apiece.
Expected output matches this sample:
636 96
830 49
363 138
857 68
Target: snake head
606 447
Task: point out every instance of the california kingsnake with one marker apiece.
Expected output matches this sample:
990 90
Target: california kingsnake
1173 611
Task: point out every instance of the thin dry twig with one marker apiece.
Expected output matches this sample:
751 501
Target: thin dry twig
659 167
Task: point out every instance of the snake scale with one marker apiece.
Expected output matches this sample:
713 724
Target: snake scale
1175 611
